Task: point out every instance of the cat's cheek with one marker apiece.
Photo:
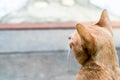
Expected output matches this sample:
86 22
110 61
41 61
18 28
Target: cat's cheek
71 45
75 49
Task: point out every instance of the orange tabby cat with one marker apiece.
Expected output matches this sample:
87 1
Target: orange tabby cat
94 49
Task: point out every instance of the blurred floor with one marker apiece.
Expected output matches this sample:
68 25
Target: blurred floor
38 66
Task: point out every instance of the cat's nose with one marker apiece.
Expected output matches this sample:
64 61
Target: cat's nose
70 37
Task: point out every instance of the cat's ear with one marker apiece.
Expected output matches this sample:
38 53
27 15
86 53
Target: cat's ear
105 21
88 41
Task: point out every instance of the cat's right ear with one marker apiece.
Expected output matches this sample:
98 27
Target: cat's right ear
88 40
105 21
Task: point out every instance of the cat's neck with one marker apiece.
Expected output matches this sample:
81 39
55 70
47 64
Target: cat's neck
108 57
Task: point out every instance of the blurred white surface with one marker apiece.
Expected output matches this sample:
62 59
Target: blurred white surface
7 6
112 6
19 11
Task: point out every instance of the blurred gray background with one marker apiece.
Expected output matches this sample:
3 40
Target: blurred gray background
43 54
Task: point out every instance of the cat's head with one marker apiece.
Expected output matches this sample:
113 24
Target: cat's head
87 41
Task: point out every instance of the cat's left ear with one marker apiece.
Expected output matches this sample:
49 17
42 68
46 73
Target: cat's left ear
105 21
88 41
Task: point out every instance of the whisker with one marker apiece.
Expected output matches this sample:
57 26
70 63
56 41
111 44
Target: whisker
69 58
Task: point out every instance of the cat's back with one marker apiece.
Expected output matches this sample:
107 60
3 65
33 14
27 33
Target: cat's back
93 72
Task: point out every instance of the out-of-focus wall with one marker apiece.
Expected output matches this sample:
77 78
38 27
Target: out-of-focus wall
49 11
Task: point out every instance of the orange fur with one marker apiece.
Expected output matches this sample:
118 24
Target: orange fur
94 49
